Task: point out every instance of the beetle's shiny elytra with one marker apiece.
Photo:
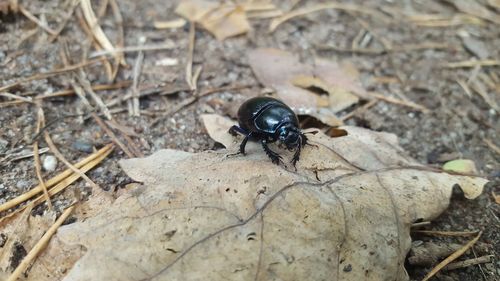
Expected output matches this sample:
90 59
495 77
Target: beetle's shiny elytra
269 120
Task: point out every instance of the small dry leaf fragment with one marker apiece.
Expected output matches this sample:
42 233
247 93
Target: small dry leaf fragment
177 23
222 20
319 89
465 166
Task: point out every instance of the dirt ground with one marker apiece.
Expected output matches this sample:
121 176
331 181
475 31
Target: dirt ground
402 58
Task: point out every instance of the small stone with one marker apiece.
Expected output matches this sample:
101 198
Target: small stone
22 185
3 145
83 146
49 163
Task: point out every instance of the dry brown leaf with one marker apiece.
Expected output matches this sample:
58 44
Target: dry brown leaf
222 20
295 83
345 214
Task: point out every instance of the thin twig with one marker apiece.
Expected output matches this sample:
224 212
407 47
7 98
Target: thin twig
16 97
452 257
39 246
445 233
131 49
40 122
469 262
189 63
135 84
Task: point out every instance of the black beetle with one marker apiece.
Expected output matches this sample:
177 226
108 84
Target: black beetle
268 120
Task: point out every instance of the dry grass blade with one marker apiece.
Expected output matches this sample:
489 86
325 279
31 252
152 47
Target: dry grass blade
189 63
39 76
471 63
479 88
465 87
401 102
130 49
39 246
82 165
40 122
121 34
135 84
16 97
34 19
446 233
97 31
319 7
469 262
452 257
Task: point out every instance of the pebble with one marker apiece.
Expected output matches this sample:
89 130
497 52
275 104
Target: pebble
49 163
83 146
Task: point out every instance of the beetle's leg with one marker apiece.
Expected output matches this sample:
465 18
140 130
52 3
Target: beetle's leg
244 143
303 140
234 130
296 155
275 157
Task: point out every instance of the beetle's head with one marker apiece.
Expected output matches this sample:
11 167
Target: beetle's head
289 135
